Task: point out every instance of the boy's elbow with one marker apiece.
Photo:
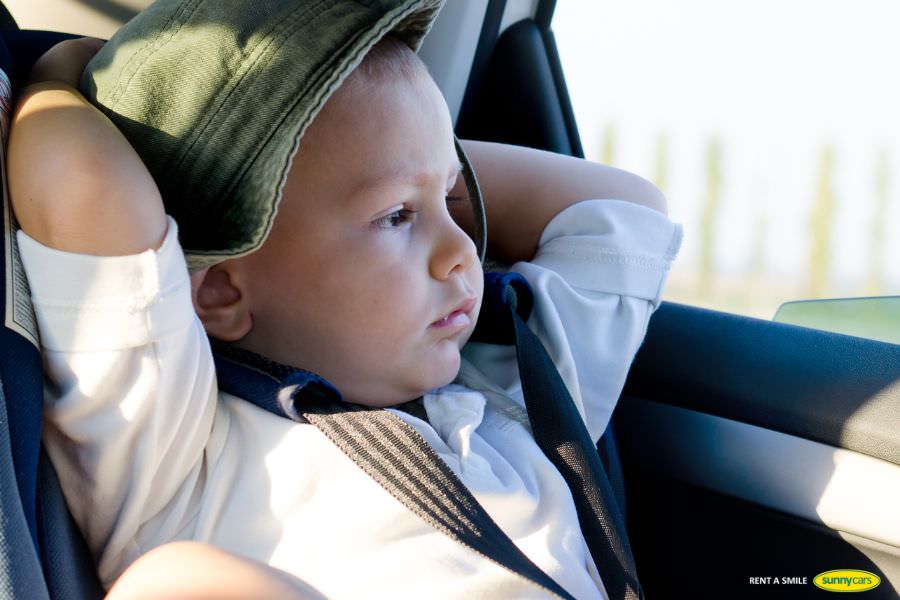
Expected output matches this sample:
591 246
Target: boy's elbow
51 189
76 184
643 192
611 182
655 199
73 202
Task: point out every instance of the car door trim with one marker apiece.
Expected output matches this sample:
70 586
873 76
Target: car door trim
845 490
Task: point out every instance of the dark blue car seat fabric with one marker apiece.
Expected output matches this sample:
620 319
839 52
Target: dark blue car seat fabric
42 554
20 413
20 569
69 569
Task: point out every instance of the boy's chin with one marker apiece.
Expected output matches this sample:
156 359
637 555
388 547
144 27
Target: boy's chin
445 367
436 376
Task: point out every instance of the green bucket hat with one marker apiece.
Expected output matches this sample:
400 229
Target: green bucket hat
215 96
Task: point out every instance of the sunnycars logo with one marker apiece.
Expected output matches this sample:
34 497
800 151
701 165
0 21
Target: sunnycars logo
847 580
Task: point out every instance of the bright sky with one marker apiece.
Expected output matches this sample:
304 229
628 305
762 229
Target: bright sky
776 82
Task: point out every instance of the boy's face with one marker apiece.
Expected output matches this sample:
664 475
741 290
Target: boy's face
364 263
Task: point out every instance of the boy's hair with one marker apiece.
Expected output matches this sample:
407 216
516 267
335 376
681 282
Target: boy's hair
389 59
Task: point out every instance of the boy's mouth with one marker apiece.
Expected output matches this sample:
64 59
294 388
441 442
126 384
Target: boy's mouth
458 317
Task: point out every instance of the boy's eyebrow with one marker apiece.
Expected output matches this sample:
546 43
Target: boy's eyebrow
393 177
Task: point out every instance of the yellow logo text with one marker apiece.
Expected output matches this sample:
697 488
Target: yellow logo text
847 580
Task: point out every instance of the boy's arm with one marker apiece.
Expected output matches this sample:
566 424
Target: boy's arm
525 188
595 245
193 570
75 182
130 402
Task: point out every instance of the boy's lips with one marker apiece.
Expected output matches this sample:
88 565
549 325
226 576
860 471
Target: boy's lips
458 317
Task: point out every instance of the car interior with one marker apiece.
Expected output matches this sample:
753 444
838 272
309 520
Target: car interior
742 448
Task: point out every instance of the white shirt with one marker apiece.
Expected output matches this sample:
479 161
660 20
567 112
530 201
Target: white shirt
149 451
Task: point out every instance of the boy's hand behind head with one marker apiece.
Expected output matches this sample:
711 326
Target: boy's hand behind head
65 61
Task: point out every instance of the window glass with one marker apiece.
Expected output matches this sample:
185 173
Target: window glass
772 127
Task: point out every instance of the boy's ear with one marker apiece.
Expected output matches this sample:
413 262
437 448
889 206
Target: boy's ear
221 303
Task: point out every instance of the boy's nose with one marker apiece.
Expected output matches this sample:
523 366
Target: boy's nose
455 251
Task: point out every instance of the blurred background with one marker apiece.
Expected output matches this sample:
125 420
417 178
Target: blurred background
771 126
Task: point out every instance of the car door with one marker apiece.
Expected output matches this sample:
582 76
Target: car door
759 455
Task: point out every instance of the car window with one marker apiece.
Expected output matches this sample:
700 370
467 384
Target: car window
772 127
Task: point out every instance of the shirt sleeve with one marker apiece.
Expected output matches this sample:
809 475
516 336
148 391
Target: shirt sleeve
597 277
130 393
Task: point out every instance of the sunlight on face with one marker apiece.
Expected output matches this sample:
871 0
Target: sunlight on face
365 278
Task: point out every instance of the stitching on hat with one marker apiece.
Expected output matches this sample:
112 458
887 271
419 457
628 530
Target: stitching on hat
258 53
138 59
418 23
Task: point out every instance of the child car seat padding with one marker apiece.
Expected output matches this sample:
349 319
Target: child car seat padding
42 554
20 575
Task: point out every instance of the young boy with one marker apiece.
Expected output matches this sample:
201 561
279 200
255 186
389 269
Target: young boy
366 279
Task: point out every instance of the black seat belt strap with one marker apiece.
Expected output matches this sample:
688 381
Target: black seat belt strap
560 432
383 445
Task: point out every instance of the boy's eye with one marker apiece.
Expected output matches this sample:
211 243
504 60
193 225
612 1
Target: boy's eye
395 219
402 216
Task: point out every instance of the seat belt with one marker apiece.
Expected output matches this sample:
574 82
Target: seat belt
561 433
393 453
383 445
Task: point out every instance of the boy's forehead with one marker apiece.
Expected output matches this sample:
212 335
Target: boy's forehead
388 131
